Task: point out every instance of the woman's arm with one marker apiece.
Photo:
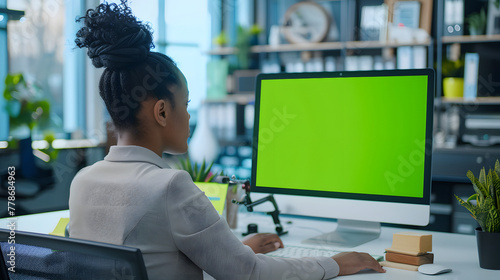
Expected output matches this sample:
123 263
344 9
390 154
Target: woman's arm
206 239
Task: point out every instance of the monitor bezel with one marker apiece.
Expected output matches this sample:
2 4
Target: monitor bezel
425 200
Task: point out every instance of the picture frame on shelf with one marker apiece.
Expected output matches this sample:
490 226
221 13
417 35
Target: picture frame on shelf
373 23
406 13
425 21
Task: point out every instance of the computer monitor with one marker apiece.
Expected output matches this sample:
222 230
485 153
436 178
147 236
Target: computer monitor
355 146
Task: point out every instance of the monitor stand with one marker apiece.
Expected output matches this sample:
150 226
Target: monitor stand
349 233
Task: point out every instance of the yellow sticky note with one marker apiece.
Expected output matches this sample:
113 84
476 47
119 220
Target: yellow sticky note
60 227
216 193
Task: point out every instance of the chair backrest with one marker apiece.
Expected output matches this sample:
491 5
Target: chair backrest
42 256
4 274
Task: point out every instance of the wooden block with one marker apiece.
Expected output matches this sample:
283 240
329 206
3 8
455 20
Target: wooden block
407 259
399 265
404 252
411 243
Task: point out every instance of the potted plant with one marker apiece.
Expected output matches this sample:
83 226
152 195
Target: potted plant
199 173
218 188
255 30
245 39
221 40
453 81
28 111
477 23
486 211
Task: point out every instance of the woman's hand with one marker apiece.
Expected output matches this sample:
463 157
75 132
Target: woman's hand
353 262
263 242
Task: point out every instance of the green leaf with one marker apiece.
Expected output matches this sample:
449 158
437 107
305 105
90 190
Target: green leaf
472 197
497 167
496 185
201 173
195 171
211 178
198 173
493 196
207 172
478 186
489 217
473 209
493 223
482 176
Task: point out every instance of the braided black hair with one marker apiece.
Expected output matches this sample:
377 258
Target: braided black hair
117 40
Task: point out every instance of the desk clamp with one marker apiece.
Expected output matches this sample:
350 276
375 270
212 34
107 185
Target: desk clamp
247 201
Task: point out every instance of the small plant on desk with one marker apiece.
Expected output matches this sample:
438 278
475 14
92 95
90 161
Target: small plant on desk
199 173
486 211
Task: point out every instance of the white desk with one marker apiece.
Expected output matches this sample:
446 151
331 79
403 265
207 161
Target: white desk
456 251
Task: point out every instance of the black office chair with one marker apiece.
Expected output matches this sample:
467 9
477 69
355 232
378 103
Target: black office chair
42 256
4 274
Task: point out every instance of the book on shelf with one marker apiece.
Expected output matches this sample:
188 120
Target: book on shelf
374 23
493 22
351 63
453 18
404 58
407 13
471 74
419 57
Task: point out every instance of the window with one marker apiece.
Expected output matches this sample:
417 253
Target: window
188 36
41 46
36 49
181 29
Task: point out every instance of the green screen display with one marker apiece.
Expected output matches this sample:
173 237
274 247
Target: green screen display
359 135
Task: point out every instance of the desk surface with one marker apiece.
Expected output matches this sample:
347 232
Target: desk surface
455 251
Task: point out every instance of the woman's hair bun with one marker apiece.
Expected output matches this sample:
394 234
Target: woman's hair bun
113 36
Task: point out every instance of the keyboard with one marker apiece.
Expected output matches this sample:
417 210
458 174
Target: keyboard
292 251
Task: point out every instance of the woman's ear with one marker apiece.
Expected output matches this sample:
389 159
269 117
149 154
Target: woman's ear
161 112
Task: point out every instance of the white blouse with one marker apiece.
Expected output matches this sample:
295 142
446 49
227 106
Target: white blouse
133 198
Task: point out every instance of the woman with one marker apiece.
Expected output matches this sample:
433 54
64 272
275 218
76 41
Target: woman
133 198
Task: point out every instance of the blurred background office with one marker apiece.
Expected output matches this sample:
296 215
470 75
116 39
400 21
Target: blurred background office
53 122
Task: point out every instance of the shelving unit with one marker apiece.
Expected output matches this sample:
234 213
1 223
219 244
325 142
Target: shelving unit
450 164
323 46
381 45
492 100
241 99
470 39
344 47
